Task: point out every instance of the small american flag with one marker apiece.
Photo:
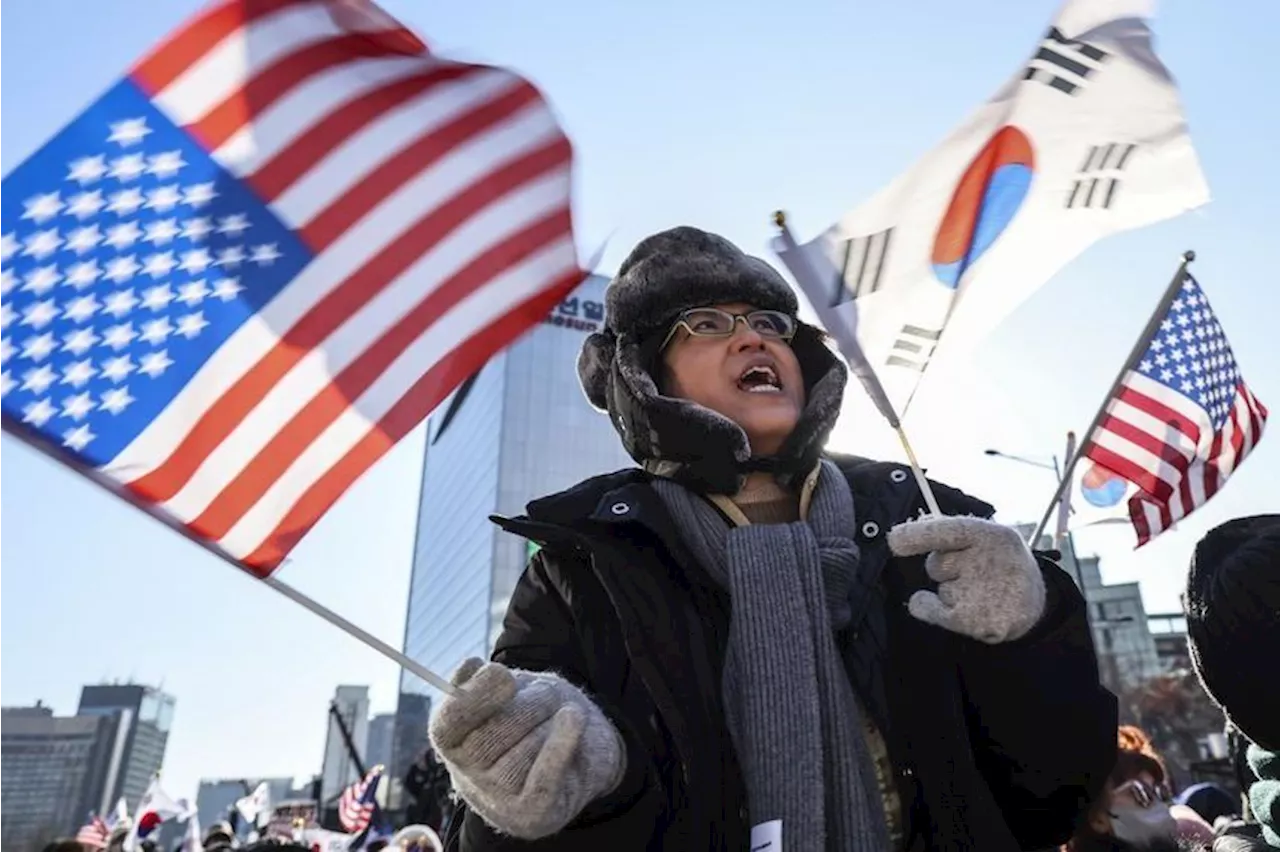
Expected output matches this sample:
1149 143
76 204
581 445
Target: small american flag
358 802
93 833
240 276
1182 419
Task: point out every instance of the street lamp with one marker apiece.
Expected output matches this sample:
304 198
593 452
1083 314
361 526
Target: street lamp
1029 461
1064 506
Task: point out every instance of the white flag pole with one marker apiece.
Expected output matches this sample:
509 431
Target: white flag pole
1170 293
361 635
43 445
858 361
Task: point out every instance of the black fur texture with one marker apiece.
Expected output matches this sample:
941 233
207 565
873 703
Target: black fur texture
664 275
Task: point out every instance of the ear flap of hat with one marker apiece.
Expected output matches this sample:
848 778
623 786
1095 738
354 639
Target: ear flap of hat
825 377
594 363
695 443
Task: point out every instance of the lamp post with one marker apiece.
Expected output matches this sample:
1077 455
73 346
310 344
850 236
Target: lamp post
1064 508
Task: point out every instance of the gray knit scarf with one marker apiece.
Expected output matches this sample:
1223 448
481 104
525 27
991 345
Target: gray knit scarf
789 705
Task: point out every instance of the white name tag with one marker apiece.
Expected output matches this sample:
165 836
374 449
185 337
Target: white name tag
767 836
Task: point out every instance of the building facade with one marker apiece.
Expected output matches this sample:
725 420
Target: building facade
382 731
338 769
145 716
1122 637
53 771
1169 630
519 429
217 796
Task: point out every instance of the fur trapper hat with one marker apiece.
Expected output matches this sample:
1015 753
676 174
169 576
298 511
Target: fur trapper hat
664 275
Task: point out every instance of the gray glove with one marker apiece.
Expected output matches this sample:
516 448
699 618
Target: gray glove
526 750
989 585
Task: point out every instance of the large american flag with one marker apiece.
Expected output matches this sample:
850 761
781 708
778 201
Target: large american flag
1182 419
260 259
358 802
94 833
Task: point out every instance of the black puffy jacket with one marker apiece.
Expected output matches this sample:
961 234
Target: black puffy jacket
996 747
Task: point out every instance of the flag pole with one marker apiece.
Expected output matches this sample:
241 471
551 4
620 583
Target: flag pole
1064 502
362 635
1170 293
862 368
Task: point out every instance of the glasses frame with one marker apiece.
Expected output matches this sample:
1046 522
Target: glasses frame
683 322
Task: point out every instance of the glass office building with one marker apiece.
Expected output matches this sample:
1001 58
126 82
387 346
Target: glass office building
520 429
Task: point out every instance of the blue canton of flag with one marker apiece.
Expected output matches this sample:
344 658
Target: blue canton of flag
129 257
1190 355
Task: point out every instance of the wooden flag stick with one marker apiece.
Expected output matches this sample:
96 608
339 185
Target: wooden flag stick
859 364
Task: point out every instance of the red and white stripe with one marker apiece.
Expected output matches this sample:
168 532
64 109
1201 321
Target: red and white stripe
93 834
436 198
353 812
1165 444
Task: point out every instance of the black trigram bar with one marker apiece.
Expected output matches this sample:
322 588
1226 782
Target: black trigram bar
1094 189
1064 55
914 347
862 266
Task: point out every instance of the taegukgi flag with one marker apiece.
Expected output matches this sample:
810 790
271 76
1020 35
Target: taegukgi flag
1087 139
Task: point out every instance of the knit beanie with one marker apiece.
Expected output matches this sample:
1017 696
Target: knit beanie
666 274
1233 623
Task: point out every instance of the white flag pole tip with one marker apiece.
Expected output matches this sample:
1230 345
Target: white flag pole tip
360 635
869 379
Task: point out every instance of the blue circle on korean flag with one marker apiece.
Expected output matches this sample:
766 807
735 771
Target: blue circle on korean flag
1102 488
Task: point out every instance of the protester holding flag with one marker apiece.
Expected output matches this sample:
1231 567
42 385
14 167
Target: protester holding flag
748 639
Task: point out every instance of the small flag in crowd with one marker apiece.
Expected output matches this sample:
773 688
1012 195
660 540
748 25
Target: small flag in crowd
119 814
1087 139
1179 424
155 808
94 833
358 802
240 276
255 805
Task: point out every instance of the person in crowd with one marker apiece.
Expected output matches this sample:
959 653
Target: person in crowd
1233 634
1133 813
1210 801
746 643
219 836
427 783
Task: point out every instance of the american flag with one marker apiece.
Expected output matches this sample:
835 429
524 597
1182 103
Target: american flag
357 803
93 833
240 276
1182 419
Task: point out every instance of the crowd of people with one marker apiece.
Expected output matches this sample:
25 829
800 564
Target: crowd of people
747 642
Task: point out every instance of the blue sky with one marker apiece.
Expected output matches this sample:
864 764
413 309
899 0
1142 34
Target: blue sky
707 113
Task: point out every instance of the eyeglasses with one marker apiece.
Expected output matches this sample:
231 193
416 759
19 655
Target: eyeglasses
713 322
1144 794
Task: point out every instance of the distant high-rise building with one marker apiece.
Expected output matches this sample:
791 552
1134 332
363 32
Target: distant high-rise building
146 714
519 429
338 769
413 715
382 732
53 772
